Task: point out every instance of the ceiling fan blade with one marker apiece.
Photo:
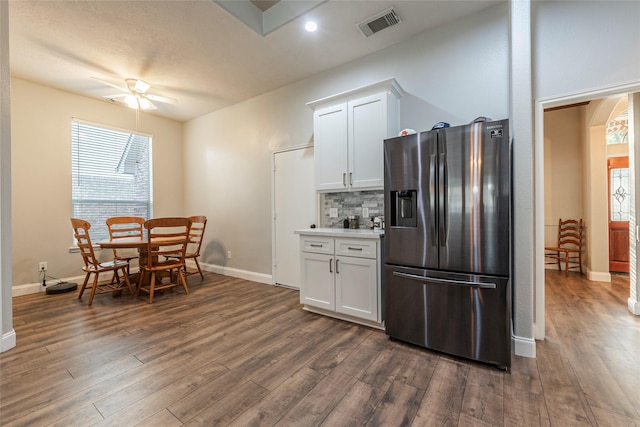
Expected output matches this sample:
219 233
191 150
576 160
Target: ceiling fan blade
151 106
124 89
161 99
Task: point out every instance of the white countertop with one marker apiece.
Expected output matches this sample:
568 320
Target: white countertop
359 233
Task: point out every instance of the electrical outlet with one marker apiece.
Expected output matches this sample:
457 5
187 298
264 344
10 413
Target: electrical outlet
42 266
365 212
228 254
333 212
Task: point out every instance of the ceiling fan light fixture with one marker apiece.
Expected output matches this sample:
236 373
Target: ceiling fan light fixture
135 95
144 103
131 101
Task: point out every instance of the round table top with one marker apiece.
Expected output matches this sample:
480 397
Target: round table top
124 242
135 242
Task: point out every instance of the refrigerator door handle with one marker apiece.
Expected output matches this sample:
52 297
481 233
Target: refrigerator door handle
445 281
432 198
442 199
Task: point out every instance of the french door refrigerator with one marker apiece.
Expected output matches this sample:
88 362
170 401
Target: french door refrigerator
447 243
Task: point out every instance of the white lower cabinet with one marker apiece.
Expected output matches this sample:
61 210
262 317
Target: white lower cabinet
356 287
341 277
317 277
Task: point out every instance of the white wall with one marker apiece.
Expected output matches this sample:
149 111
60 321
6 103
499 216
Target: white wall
584 45
41 172
455 73
564 143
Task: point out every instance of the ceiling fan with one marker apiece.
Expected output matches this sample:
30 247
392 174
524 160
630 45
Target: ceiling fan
135 95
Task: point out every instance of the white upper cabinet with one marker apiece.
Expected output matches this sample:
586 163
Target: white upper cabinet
330 127
349 130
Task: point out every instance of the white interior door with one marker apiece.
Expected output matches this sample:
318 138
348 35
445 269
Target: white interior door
294 208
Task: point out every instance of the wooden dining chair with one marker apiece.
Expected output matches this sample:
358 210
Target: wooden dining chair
167 240
198 225
568 250
122 227
93 266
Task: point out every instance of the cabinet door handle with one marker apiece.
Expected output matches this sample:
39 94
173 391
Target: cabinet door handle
344 179
330 263
315 245
337 261
350 178
354 249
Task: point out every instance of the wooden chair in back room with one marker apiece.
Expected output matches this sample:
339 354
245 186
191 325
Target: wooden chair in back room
198 225
121 227
568 250
95 267
167 240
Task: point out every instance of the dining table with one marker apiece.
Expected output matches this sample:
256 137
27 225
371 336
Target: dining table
139 243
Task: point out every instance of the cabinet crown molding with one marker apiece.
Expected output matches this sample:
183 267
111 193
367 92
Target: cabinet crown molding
390 85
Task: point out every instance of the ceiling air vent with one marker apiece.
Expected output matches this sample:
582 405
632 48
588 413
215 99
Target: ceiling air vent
379 22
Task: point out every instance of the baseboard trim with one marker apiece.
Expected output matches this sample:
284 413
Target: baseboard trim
599 276
34 288
634 306
522 346
240 274
352 319
26 289
8 341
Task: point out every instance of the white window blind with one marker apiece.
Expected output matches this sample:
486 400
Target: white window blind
111 173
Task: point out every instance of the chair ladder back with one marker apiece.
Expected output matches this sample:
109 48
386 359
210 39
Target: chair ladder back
570 233
124 226
198 225
83 240
167 237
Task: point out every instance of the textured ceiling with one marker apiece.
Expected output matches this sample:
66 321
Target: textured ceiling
195 51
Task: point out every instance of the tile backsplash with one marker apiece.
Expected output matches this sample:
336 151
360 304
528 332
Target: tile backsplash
351 203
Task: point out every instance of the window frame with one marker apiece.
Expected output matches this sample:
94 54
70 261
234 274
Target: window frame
74 140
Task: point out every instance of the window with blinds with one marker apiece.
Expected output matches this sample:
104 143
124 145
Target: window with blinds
111 174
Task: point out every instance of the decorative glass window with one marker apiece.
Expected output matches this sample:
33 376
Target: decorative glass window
619 194
111 175
618 129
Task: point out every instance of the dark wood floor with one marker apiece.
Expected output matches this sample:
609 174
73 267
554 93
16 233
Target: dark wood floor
241 353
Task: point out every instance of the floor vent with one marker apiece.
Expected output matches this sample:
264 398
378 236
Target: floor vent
379 22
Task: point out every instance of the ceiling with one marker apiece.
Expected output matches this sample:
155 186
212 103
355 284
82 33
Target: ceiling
195 51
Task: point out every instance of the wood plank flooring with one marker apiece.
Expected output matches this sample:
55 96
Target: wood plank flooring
234 352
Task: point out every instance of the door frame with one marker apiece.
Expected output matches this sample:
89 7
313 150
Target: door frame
538 157
273 203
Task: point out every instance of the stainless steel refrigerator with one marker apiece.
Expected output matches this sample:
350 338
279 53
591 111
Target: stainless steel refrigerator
447 244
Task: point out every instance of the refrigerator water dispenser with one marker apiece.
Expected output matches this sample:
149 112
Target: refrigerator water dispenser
404 208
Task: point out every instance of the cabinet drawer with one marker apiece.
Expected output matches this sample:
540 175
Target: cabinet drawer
362 248
318 245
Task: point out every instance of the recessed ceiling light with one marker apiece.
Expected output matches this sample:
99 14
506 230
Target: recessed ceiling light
311 26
